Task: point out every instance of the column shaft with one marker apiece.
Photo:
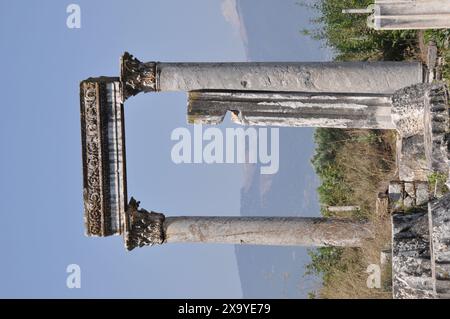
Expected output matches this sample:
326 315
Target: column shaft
335 110
364 77
350 77
302 231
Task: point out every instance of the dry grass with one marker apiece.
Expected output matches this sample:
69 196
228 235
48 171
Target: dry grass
351 282
368 162
368 167
367 170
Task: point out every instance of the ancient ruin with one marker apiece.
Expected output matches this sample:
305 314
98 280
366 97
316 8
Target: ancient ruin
376 95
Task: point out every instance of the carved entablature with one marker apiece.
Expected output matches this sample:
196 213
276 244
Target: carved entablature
103 152
143 228
137 77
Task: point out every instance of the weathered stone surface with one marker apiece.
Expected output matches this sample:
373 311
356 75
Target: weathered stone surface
432 61
407 14
396 190
344 77
302 231
396 193
408 109
143 228
137 77
411 159
442 289
422 193
436 129
442 271
439 219
421 116
103 153
421 252
411 265
338 110
404 195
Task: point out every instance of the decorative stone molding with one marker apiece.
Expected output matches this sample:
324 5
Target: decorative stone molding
421 116
421 252
143 228
437 129
92 167
409 105
103 154
137 77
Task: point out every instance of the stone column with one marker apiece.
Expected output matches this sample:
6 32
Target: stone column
149 228
349 77
107 212
338 110
407 14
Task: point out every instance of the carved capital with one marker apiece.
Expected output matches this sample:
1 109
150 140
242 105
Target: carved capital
409 104
137 76
144 228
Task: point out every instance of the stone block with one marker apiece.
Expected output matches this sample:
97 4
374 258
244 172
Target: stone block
436 130
396 196
411 158
439 219
411 265
422 193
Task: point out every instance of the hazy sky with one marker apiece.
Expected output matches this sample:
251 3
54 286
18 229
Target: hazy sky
41 175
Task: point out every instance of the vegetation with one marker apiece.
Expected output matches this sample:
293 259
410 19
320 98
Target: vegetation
351 39
437 182
355 165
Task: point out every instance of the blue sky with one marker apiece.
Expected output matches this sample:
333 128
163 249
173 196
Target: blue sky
43 62
40 173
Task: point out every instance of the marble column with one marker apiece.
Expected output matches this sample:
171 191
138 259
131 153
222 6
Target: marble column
331 77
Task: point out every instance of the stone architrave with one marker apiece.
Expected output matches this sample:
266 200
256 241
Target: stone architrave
103 153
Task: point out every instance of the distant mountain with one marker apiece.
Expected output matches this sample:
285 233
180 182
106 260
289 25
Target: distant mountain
274 272
270 31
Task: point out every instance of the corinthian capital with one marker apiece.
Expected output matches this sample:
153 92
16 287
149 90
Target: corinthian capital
143 228
137 76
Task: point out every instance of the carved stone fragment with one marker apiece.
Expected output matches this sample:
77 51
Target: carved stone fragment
143 228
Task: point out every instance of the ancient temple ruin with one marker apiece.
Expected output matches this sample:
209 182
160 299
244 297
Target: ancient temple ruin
375 95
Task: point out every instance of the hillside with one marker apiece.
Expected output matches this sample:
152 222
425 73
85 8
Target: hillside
355 165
